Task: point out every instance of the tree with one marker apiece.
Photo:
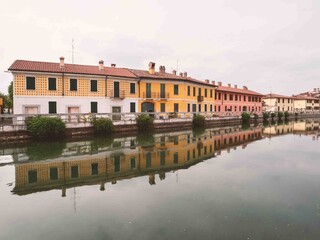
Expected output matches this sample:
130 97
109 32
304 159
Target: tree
10 97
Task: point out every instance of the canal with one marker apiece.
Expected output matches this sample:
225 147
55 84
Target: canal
257 182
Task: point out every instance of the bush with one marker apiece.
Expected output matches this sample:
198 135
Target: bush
286 115
144 122
45 127
265 116
102 125
280 115
245 117
198 120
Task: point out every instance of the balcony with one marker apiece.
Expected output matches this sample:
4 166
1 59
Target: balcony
163 95
119 95
200 98
149 95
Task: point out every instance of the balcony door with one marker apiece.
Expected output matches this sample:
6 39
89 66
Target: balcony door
148 90
162 90
116 89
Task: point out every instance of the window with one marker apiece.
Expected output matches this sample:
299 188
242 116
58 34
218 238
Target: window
162 158
52 107
231 97
194 91
94 169
175 158
133 163
116 163
205 92
73 84
176 107
205 107
93 85
194 107
225 96
188 90
219 96
148 160
162 107
132 107
31 83
211 93
249 99
52 83
188 107
175 89
244 98
32 176
94 107
53 173
210 107
132 88
74 171
236 97
199 107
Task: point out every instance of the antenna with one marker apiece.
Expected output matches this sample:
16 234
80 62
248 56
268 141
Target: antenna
72 51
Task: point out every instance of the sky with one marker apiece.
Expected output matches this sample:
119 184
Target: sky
267 45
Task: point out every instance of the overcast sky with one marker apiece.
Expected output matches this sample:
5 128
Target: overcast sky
267 45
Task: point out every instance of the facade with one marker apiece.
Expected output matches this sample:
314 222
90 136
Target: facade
168 92
306 104
42 87
278 103
233 100
1 105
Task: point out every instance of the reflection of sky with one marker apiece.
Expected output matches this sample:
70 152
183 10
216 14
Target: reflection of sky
270 190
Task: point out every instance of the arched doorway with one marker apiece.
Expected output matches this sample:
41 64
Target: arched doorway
244 108
147 107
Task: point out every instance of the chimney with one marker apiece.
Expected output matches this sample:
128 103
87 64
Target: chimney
162 69
235 86
229 85
181 74
219 84
174 72
101 67
185 74
113 65
152 66
207 80
245 87
61 62
213 82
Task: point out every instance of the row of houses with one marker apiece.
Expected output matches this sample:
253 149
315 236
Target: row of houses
57 87
46 87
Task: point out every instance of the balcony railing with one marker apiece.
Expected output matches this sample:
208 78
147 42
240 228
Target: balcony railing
155 95
149 95
120 94
200 98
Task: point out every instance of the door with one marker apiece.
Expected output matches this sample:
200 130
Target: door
162 91
73 111
148 90
116 89
147 107
116 117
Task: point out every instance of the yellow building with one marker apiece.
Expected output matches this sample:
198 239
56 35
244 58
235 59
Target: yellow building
1 105
278 103
168 92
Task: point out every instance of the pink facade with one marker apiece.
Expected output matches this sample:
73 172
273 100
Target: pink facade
233 100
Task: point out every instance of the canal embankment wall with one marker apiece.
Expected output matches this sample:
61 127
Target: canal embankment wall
20 134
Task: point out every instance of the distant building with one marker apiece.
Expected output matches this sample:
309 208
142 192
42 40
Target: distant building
278 103
315 93
1 105
234 100
306 103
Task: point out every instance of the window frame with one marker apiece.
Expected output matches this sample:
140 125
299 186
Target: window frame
75 81
55 83
29 78
96 86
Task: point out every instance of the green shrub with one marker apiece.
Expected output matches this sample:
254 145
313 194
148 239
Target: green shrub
102 125
265 116
273 115
198 120
245 117
144 122
45 127
280 115
286 115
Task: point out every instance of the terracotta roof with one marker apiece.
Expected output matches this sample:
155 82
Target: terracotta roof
236 90
272 95
166 76
302 97
35 66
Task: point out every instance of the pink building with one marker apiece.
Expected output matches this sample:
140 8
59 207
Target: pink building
233 100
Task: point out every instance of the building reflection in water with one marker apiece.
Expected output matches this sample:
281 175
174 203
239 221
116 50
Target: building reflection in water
103 161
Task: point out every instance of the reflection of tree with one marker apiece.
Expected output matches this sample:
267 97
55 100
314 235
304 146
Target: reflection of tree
45 150
245 126
162 175
146 140
152 179
101 142
198 131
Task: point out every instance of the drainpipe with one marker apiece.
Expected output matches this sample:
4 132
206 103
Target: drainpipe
62 84
106 87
